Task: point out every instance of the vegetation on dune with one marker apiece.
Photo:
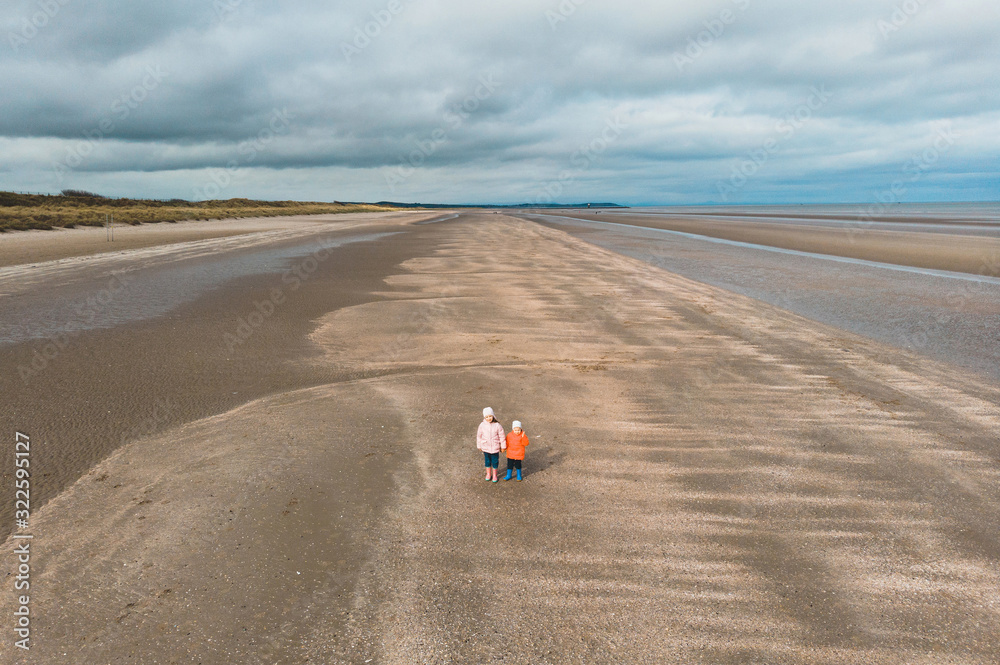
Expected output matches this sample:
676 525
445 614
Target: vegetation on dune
72 208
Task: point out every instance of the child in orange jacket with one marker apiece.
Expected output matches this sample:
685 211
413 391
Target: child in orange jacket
516 443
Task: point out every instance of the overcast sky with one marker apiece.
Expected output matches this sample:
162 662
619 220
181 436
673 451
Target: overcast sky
452 101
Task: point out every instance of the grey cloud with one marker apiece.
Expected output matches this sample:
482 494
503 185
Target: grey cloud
228 71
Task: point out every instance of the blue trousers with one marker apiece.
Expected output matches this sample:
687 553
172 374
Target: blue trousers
492 460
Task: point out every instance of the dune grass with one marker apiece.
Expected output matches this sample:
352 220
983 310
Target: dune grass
19 212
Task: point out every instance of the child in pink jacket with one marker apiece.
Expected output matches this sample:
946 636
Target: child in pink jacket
491 440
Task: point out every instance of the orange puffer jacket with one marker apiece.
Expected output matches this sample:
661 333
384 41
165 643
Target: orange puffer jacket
516 444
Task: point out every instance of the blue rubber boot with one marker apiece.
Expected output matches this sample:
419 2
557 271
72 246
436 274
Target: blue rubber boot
518 475
507 477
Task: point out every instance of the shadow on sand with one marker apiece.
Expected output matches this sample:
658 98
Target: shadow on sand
541 457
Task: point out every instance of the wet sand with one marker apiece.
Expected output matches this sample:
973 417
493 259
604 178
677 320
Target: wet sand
22 247
975 250
949 316
84 392
710 479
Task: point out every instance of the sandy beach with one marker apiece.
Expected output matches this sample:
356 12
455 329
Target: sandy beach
890 240
711 478
27 247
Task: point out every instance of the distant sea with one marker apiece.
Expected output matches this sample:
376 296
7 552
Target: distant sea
988 211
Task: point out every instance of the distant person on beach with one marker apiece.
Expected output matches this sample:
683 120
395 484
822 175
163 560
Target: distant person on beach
517 441
490 439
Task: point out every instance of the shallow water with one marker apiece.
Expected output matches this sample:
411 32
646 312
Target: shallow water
137 293
948 316
987 211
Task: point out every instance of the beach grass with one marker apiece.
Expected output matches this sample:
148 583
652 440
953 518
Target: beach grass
20 212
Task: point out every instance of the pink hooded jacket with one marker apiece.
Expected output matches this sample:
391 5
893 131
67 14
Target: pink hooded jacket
490 437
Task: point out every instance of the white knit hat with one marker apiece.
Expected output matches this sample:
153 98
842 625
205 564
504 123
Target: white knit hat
516 424
488 412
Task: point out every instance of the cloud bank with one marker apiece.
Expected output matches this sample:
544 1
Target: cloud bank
447 101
